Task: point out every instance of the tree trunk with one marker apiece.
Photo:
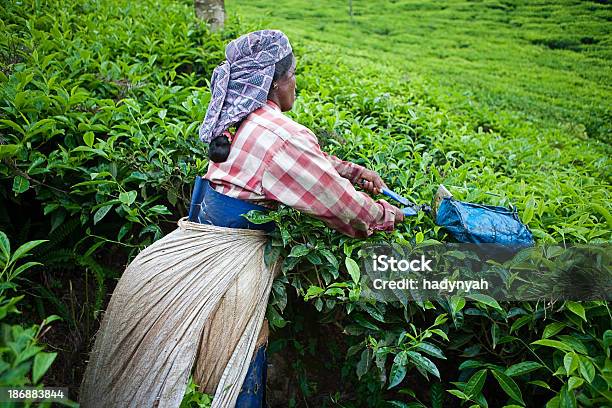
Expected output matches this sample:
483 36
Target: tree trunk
211 11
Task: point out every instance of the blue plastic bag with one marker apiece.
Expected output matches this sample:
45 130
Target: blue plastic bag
483 224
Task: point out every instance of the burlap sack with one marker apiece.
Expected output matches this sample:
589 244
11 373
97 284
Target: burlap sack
198 295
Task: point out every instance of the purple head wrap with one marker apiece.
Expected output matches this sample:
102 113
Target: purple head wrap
241 83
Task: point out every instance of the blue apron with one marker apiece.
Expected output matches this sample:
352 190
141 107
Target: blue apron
211 207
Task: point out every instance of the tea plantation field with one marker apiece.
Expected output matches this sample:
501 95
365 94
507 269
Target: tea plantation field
505 102
540 60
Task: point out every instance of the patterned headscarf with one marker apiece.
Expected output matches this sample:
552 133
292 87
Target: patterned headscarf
241 83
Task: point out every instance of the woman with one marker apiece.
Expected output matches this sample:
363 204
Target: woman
198 296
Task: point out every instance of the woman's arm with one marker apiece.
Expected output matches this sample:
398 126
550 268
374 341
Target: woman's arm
357 174
300 175
348 170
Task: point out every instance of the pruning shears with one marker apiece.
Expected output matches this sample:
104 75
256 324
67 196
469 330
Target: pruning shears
411 209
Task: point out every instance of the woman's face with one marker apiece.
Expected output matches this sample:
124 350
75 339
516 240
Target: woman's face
285 90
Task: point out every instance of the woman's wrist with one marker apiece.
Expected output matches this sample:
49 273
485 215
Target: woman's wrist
355 172
390 216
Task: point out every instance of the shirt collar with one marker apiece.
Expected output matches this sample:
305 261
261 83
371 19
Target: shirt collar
273 105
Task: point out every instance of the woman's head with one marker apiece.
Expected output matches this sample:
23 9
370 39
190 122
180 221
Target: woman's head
258 65
282 91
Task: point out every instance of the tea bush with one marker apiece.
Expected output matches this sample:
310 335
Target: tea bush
22 359
100 106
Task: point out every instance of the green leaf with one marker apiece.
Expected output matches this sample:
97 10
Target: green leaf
553 402
509 386
128 197
423 362
431 350
419 237
398 370
275 318
553 343
5 246
457 303
11 124
440 333
88 149
319 304
401 404
40 126
50 319
440 319
522 368
102 211
436 393
124 230
159 209
20 184
475 383
520 322
470 364
570 362
257 217
574 382
93 183
88 138
540 383
574 343
25 248
313 291
8 150
314 258
42 362
577 309
459 394
407 391
553 329
567 399
353 269
485 300
285 235
330 258
364 362
335 292
529 210
23 268
362 321
494 335
299 251
587 370
372 311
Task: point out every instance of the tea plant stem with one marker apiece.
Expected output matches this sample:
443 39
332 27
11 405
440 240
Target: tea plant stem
25 175
538 357
113 241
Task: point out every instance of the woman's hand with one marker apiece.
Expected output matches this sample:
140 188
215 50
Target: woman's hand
371 182
399 215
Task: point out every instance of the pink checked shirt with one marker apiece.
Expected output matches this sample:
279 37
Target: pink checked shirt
274 158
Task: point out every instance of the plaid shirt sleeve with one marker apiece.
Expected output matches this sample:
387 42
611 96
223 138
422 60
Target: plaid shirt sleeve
348 170
300 175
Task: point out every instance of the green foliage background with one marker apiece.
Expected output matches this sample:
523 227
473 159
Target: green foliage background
506 103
